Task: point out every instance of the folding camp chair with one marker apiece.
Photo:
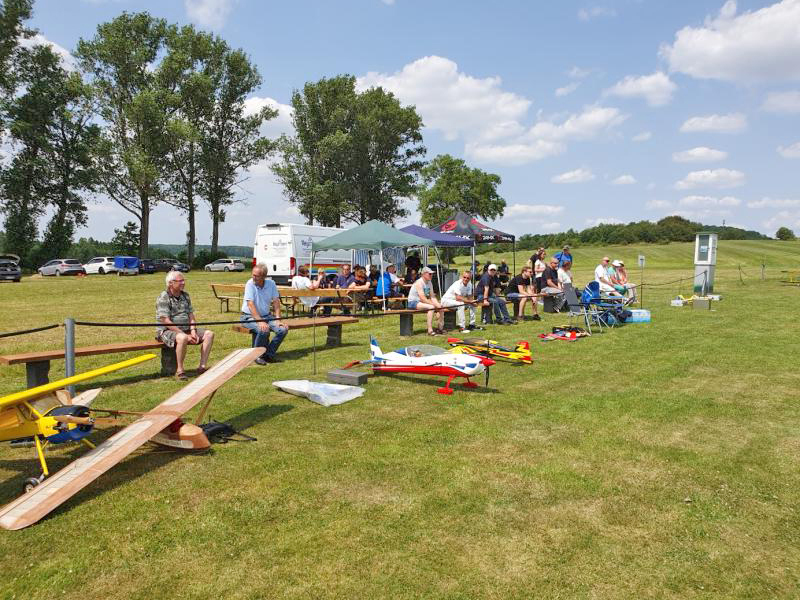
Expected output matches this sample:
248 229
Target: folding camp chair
576 310
601 308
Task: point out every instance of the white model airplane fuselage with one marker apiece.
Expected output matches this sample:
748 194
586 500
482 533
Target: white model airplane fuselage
428 360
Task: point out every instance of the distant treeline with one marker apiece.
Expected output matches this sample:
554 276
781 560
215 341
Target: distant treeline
668 229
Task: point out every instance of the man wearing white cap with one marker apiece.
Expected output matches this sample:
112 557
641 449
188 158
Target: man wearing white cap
603 277
485 292
460 295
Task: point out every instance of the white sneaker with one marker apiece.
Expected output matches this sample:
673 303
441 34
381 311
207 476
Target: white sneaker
465 330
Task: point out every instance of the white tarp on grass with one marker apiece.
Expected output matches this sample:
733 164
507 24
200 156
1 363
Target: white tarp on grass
326 394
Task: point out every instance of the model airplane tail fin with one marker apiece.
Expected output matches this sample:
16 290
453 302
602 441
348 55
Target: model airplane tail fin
523 346
374 349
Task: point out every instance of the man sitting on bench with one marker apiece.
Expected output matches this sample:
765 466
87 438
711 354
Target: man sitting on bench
175 313
262 301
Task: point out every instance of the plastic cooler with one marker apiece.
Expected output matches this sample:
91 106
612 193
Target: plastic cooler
639 315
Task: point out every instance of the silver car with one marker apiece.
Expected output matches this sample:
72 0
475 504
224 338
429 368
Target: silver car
62 266
225 264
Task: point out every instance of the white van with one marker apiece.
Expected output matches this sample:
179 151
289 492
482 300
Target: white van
284 247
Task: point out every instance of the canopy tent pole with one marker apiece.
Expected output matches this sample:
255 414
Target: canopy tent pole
438 270
514 255
383 281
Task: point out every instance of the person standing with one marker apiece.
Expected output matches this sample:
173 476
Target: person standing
538 269
177 327
420 296
460 294
261 314
563 256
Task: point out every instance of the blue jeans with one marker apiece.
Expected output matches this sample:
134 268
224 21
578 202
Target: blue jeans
500 310
261 338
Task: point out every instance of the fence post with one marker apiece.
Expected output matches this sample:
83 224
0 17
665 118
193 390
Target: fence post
69 351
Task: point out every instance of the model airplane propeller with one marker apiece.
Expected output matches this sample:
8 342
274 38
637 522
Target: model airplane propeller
42 416
521 353
424 359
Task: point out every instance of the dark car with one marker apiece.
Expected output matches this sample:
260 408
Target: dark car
9 268
146 266
170 264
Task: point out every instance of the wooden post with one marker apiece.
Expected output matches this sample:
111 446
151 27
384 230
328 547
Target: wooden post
407 324
169 361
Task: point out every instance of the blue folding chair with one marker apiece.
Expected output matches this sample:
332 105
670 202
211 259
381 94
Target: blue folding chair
601 309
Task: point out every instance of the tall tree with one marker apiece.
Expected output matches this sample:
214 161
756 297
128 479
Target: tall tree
30 118
448 184
188 72
121 60
784 233
231 141
354 156
13 13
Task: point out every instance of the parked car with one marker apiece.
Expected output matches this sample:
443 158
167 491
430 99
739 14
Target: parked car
170 264
146 266
225 264
9 268
100 266
62 266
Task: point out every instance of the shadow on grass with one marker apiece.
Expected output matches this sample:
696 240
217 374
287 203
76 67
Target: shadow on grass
120 381
301 352
439 381
146 459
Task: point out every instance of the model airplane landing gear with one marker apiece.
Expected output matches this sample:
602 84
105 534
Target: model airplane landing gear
32 482
470 384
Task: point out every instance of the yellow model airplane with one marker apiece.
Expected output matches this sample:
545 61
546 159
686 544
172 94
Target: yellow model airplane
40 416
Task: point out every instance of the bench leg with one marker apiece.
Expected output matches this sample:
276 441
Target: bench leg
169 361
407 324
334 336
450 319
516 314
486 315
37 373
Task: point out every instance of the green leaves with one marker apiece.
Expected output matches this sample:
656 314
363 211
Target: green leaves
354 157
448 185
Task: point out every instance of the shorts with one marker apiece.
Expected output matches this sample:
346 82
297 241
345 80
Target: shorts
412 304
168 336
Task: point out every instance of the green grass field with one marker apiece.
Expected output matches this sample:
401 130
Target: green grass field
653 461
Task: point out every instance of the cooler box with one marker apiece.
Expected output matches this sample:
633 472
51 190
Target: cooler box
639 316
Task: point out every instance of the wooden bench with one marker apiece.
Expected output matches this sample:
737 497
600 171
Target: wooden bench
290 297
334 325
225 292
37 364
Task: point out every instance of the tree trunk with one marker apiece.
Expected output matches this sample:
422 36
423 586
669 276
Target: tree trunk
190 207
144 228
214 226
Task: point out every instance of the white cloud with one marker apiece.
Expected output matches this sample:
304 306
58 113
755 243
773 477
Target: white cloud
786 103
578 73
791 151
281 124
208 13
593 12
567 89
656 89
658 204
774 203
624 180
714 178
643 136
784 218
755 46
709 201
699 154
522 211
604 221
488 119
580 175
730 123
68 61
651 186
453 102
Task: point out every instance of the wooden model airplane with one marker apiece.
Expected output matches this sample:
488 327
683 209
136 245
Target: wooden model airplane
39 415
521 352
424 359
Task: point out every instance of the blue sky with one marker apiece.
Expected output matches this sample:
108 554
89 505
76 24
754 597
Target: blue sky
589 111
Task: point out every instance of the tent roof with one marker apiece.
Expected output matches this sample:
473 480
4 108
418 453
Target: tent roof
438 238
463 225
372 235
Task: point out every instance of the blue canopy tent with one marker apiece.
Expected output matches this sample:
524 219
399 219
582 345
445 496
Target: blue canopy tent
439 239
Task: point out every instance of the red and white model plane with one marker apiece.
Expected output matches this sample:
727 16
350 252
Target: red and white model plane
424 359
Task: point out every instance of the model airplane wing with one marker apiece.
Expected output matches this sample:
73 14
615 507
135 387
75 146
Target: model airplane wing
49 388
34 505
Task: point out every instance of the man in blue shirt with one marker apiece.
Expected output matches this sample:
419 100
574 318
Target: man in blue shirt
262 303
342 282
563 256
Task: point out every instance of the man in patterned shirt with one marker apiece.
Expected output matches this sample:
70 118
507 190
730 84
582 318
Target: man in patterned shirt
175 313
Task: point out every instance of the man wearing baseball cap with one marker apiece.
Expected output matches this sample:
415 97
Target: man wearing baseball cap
563 256
485 292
